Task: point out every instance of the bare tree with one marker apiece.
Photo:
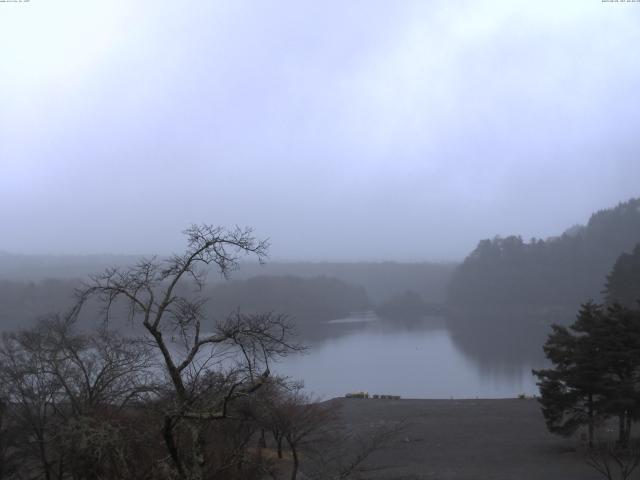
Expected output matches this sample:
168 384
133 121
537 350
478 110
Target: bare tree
163 297
341 453
268 410
97 370
63 392
293 416
8 458
31 392
303 418
613 460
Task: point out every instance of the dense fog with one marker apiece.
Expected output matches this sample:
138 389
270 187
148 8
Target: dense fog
250 240
366 131
468 167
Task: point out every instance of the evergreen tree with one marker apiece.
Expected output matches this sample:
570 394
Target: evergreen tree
571 391
595 373
623 283
618 338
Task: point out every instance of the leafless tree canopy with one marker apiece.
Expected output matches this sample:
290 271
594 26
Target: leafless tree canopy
613 460
64 395
209 364
315 435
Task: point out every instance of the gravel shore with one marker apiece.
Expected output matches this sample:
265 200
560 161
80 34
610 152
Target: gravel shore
468 440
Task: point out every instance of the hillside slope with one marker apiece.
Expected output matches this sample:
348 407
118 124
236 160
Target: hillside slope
559 272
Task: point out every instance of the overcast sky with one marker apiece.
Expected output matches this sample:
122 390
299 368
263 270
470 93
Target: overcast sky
362 130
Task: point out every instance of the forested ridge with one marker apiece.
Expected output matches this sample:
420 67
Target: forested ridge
306 299
559 272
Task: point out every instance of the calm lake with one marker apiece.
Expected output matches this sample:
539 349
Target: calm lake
424 361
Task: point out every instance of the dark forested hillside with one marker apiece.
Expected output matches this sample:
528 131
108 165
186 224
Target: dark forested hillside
557 272
381 280
623 283
305 299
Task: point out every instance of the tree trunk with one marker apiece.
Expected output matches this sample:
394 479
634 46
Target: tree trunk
279 441
296 461
620 429
43 457
61 466
623 432
167 433
197 452
590 407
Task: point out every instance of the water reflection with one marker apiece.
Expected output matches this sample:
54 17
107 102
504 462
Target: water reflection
413 359
503 342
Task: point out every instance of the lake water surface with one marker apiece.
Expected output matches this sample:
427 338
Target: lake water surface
416 362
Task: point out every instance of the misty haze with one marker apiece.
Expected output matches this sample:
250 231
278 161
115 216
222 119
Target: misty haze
319 240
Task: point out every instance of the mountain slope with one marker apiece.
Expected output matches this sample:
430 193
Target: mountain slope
558 272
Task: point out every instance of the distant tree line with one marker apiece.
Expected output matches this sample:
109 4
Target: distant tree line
309 300
381 280
409 306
